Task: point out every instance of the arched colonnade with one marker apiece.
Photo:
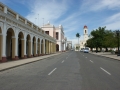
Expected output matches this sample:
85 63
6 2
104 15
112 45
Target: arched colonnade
16 44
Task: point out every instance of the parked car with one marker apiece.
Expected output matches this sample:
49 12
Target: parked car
86 50
82 49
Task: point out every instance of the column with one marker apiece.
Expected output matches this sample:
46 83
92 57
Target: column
44 46
53 47
49 48
13 48
37 48
0 47
22 45
3 40
29 48
25 56
16 48
40 46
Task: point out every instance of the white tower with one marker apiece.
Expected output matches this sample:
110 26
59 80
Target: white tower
85 33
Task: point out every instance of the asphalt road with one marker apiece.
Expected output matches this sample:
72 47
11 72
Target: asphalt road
68 71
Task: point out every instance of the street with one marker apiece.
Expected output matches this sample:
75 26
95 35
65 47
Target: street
67 71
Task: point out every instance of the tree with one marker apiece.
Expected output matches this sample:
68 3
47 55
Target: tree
78 36
102 38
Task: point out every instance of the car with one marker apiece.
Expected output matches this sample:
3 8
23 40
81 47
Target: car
86 50
82 49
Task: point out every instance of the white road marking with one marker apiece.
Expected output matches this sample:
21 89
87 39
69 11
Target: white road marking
52 71
91 61
62 61
105 71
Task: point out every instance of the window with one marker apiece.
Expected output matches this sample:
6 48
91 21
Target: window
47 32
57 35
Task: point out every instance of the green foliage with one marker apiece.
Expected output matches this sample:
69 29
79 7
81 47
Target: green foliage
77 35
77 48
102 38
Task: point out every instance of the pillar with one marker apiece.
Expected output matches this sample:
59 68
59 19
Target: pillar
22 45
0 47
25 55
3 39
49 48
40 46
44 46
29 48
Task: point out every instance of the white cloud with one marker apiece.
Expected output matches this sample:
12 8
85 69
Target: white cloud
96 5
50 10
114 18
113 22
113 26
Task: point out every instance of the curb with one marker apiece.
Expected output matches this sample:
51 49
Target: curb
105 56
27 63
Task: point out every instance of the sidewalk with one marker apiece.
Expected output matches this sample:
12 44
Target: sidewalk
12 64
107 54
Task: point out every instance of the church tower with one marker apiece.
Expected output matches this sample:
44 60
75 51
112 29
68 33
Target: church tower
85 33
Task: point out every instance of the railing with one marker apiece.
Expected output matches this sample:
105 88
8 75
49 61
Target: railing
21 19
27 25
11 13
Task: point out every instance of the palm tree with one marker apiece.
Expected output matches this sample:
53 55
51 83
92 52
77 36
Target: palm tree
78 36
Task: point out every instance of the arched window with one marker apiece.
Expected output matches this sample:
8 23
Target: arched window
85 31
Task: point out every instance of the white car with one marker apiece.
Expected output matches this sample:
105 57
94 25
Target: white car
86 50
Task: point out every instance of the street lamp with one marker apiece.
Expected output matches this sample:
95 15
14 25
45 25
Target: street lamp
118 32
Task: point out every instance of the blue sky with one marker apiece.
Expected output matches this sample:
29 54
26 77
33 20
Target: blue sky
71 14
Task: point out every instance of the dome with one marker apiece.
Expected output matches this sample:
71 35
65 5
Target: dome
85 26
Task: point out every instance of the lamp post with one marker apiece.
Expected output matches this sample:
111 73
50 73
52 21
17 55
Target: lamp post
118 32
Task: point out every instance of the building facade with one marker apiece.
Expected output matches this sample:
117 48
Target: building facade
69 45
85 37
58 34
20 38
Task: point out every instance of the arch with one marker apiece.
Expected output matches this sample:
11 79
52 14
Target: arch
0 30
28 45
34 46
0 43
10 44
21 45
57 47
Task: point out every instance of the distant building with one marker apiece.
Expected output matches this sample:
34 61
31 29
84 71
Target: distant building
85 37
76 47
69 45
58 34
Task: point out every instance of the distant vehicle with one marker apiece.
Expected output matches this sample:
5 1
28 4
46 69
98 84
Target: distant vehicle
86 50
82 49
71 49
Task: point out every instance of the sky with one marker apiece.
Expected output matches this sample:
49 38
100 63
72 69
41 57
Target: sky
71 14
